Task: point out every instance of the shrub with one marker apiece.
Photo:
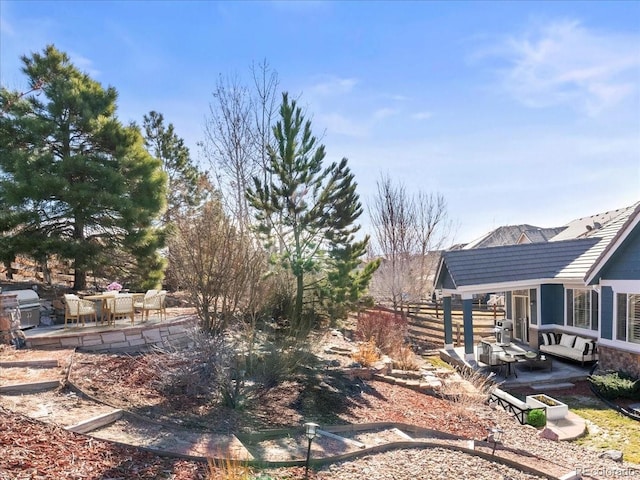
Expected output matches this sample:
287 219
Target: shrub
228 469
386 329
537 418
404 358
367 354
616 385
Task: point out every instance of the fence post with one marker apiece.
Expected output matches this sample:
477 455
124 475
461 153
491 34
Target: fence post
457 334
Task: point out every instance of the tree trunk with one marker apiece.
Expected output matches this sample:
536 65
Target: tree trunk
299 298
79 279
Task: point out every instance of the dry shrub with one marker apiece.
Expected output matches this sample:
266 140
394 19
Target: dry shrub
367 354
386 329
403 358
469 392
228 469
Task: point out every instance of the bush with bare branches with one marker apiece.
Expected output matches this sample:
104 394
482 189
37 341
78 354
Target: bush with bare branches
386 329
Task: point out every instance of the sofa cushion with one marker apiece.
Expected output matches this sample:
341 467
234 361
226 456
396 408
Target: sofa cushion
562 351
549 338
567 340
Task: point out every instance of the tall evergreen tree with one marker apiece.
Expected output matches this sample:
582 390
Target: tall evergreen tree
73 179
310 212
184 180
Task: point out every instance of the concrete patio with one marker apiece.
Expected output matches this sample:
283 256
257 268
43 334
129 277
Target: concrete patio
562 373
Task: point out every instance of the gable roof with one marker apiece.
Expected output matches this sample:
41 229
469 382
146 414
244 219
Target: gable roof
505 235
628 224
585 226
549 262
539 234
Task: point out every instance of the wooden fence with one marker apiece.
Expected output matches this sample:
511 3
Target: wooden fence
426 322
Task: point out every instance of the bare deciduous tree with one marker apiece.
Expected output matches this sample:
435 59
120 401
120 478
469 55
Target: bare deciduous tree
230 144
407 230
221 267
238 133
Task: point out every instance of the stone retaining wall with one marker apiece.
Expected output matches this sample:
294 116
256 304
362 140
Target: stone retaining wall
614 359
131 339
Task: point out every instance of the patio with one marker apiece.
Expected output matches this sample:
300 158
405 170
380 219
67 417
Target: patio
120 336
561 374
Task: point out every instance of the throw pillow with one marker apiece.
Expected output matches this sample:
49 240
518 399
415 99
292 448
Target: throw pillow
567 340
548 338
580 344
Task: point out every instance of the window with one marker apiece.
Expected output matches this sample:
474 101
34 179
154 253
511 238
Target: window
628 317
582 308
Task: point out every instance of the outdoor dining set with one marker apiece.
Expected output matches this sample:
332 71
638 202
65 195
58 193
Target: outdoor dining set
507 357
112 305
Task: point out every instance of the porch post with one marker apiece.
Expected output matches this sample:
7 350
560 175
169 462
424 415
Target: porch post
467 317
448 323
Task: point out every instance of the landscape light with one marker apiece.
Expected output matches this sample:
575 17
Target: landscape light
310 432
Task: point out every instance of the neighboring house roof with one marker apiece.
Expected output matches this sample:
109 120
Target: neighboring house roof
539 235
506 235
560 261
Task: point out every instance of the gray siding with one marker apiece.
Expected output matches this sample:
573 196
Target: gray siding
552 304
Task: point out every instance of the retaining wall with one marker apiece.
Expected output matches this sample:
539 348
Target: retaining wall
619 360
130 339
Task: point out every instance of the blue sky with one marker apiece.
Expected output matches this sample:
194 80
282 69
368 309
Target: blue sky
516 112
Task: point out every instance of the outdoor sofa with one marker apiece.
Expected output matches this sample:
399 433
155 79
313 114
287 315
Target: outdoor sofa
572 347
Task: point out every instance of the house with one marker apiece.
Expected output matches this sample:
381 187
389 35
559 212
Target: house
514 234
587 283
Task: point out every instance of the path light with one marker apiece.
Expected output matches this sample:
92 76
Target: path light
310 432
496 437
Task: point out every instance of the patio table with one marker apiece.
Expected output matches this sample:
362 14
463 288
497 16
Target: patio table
508 359
539 362
101 300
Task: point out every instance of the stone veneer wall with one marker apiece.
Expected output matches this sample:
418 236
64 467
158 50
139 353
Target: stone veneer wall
130 339
613 359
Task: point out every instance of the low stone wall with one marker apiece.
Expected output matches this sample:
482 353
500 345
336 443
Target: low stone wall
131 339
614 359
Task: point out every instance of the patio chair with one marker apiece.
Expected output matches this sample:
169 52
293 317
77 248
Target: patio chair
104 306
120 306
75 309
152 300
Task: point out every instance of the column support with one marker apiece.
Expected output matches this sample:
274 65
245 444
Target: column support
467 316
448 323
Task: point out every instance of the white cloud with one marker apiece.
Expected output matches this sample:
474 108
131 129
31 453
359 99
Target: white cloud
383 113
425 115
565 63
6 28
341 125
333 86
84 64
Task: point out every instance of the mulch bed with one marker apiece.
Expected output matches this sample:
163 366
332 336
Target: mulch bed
34 450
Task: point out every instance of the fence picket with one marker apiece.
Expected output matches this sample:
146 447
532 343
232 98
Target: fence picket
426 323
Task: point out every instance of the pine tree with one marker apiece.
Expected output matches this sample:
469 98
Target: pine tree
307 214
74 181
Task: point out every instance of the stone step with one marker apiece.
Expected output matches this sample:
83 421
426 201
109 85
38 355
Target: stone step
552 386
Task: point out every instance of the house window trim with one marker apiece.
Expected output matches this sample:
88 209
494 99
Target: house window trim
634 345
573 327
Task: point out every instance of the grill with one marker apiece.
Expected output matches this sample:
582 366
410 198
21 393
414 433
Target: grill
29 306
